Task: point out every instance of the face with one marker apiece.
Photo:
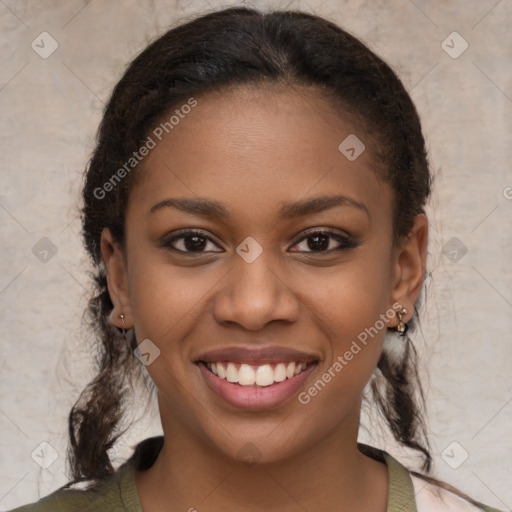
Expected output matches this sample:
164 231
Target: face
252 240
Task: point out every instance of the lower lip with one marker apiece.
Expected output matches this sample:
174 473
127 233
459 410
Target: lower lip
255 397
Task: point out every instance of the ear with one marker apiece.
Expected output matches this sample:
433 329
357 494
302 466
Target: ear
409 265
117 279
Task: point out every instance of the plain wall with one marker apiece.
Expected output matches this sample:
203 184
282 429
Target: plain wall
50 110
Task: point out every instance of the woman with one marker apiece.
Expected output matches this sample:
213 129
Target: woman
255 210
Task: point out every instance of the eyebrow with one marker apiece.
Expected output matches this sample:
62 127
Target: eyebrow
200 206
319 204
210 208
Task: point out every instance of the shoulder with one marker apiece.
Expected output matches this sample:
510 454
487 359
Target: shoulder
116 493
107 496
431 497
412 491
65 500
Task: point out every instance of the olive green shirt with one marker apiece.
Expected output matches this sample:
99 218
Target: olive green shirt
118 492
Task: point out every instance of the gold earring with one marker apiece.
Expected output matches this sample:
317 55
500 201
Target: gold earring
122 317
402 326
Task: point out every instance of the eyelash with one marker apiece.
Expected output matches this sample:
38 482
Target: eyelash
344 241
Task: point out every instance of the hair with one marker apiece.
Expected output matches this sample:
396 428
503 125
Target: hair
229 48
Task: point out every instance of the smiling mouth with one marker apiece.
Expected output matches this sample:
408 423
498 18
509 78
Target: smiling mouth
256 375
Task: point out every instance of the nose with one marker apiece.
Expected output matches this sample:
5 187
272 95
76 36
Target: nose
255 294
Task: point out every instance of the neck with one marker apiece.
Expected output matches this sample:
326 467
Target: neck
190 474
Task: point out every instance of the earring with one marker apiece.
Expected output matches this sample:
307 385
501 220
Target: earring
122 316
402 326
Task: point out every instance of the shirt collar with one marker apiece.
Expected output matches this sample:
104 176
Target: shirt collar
401 496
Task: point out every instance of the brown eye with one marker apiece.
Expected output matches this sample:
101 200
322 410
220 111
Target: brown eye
323 241
191 241
319 242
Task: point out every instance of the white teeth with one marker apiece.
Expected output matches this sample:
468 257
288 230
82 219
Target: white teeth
246 375
280 373
231 373
264 375
299 368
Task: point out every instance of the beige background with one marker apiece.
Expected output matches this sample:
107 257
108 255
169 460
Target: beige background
50 110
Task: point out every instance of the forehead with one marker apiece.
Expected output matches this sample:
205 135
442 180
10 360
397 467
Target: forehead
259 147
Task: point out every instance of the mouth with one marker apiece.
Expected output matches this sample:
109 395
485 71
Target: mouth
251 386
250 375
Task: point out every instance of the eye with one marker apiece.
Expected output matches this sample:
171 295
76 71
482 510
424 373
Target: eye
191 241
324 241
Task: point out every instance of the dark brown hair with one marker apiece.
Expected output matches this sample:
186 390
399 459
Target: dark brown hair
233 47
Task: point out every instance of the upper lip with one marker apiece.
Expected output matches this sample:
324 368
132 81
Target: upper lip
262 355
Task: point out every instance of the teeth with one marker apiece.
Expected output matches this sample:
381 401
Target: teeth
231 373
246 375
280 372
264 375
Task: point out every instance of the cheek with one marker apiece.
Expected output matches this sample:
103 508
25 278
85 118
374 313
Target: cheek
167 305
336 389
350 306
168 302
347 299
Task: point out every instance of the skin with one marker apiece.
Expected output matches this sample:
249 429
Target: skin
254 150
